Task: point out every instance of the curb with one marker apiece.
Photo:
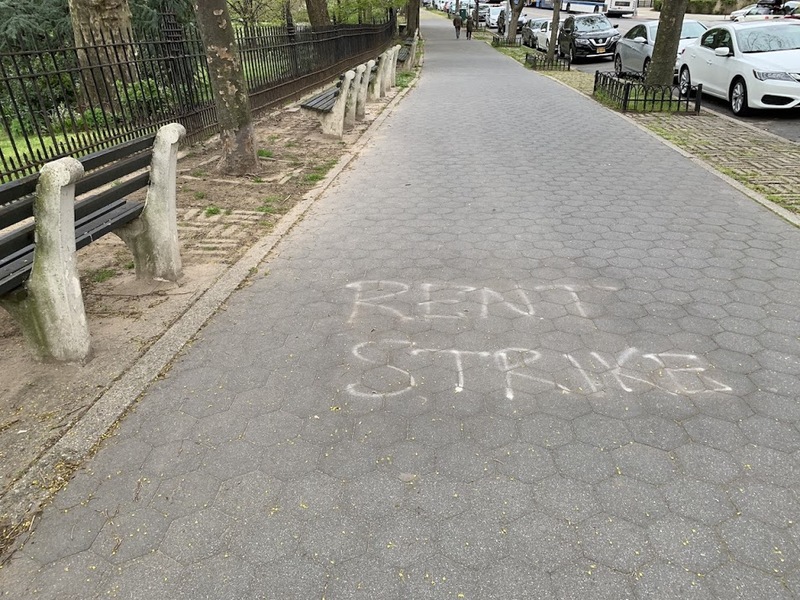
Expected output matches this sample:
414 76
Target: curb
20 503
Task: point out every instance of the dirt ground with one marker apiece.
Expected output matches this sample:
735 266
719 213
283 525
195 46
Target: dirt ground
219 218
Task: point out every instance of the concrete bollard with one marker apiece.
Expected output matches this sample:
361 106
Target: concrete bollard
153 237
49 308
377 85
352 97
386 71
393 62
333 122
361 100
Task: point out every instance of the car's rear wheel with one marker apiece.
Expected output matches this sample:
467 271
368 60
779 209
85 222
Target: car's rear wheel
685 82
618 65
645 68
572 54
738 98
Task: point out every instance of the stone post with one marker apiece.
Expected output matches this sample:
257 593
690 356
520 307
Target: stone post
352 97
333 122
49 308
153 237
361 103
376 87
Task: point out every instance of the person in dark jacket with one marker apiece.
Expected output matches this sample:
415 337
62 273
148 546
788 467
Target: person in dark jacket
470 27
457 23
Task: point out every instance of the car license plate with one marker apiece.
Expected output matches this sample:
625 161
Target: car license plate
601 49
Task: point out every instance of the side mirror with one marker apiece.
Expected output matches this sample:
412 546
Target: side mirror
640 40
722 51
616 25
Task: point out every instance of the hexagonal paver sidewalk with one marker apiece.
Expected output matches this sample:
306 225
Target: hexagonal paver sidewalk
519 350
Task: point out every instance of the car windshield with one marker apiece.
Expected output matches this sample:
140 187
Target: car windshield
689 30
598 23
769 38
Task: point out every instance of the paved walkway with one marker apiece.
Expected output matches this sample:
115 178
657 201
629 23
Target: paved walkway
520 350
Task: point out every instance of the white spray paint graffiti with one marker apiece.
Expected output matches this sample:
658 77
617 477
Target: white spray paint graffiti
518 369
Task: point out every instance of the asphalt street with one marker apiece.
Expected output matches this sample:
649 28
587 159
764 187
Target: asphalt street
570 375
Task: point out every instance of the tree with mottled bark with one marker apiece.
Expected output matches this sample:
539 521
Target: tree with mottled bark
551 49
670 22
229 88
318 13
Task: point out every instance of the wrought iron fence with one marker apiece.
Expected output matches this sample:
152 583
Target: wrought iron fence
72 101
635 96
501 41
539 62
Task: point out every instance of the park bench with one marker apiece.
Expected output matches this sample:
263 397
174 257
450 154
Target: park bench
46 217
329 105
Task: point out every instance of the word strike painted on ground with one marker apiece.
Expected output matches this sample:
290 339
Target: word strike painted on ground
393 367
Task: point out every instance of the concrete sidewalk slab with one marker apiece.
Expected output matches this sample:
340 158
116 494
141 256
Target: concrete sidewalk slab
501 358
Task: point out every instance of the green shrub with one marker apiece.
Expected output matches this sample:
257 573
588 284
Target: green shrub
701 7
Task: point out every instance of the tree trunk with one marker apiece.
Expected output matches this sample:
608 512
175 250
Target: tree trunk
318 13
412 17
551 51
662 68
228 85
516 11
102 32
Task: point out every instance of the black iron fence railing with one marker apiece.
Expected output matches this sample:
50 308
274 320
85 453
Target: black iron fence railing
502 40
538 62
634 96
72 101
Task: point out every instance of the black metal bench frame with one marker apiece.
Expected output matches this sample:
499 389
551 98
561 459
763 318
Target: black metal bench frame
325 100
95 214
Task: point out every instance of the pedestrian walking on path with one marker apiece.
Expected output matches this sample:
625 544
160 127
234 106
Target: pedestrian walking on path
470 27
457 23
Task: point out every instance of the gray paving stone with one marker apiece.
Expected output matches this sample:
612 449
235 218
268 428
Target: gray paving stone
739 582
760 546
524 462
151 576
663 581
289 577
707 463
197 536
83 574
702 501
584 462
512 581
474 539
542 542
716 433
767 503
603 432
687 544
585 579
567 499
131 535
215 577
74 530
616 543
645 462
363 579
631 499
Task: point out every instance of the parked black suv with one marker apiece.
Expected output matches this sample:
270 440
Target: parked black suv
587 35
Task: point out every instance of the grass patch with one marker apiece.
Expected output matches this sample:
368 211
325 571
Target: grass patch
313 177
268 205
212 210
258 180
404 78
199 195
101 275
265 153
638 103
583 82
199 173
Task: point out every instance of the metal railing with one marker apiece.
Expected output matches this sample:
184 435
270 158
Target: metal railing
72 101
539 62
634 96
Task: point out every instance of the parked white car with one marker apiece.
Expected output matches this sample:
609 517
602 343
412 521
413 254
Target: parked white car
635 49
759 13
751 65
491 16
741 11
542 35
